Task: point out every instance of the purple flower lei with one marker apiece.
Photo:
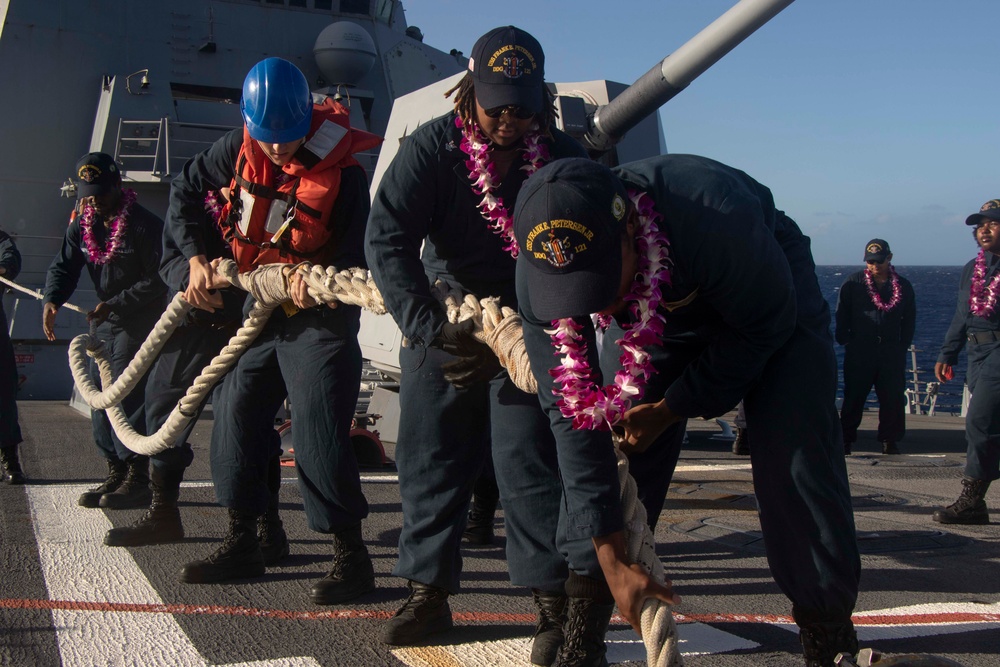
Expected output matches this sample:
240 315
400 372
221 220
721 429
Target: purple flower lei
982 297
116 230
873 294
596 408
483 176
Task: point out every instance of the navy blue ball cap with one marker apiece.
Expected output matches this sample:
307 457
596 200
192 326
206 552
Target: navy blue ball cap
877 250
508 68
98 174
568 222
988 211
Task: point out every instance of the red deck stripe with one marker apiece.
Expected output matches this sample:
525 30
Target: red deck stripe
467 617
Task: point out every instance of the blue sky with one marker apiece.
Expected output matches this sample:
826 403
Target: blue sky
866 118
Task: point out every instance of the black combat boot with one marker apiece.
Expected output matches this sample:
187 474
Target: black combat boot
548 635
134 492
583 633
424 613
351 575
890 447
116 475
239 557
741 445
10 466
270 529
821 642
161 523
271 534
970 508
479 528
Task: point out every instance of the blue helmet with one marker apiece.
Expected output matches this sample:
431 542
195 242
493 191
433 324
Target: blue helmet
277 104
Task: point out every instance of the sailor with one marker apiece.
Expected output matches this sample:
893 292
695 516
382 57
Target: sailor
976 323
875 320
10 428
296 194
451 189
192 346
119 243
719 287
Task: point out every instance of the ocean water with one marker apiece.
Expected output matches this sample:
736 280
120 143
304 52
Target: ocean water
936 291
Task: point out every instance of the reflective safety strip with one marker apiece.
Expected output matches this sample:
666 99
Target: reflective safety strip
325 139
275 214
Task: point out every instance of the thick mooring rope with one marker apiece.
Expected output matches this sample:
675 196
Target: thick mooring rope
659 633
497 327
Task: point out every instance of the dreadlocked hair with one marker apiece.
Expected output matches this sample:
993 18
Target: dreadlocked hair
465 104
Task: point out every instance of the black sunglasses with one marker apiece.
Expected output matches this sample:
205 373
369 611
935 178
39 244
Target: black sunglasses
874 261
517 112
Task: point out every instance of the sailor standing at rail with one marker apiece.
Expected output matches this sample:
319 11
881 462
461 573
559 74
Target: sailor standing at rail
451 188
296 194
875 320
719 288
119 243
976 323
191 348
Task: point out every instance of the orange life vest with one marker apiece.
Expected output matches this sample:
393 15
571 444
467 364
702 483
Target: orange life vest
287 220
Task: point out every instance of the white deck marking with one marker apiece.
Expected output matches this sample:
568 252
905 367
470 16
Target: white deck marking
623 646
77 566
923 620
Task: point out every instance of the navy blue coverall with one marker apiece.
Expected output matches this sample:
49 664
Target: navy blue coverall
745 318
131 286
312 357
426 197
195 342
10 428
982 335
875 344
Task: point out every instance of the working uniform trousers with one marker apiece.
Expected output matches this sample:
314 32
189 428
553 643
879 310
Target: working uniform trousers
807 524
10 429
444 435
189 351
982 419
121 342
868 363
315 354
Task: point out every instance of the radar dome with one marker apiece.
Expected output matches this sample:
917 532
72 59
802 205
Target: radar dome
344 52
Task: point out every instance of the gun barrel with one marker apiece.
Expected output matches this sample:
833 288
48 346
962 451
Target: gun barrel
672 75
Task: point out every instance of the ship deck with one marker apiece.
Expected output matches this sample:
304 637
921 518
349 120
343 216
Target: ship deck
65 599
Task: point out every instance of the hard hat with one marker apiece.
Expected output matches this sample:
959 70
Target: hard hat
276 103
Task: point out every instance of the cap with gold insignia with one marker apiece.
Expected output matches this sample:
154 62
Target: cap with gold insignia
98 175
508 68
989 211
568 222
876 250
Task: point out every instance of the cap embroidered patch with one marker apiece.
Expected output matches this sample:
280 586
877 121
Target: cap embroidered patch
990 205
512 60
559 251
618 207
874 249
89 173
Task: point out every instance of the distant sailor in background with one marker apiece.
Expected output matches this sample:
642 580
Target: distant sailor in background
977 324
876 318
10 429
119 243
